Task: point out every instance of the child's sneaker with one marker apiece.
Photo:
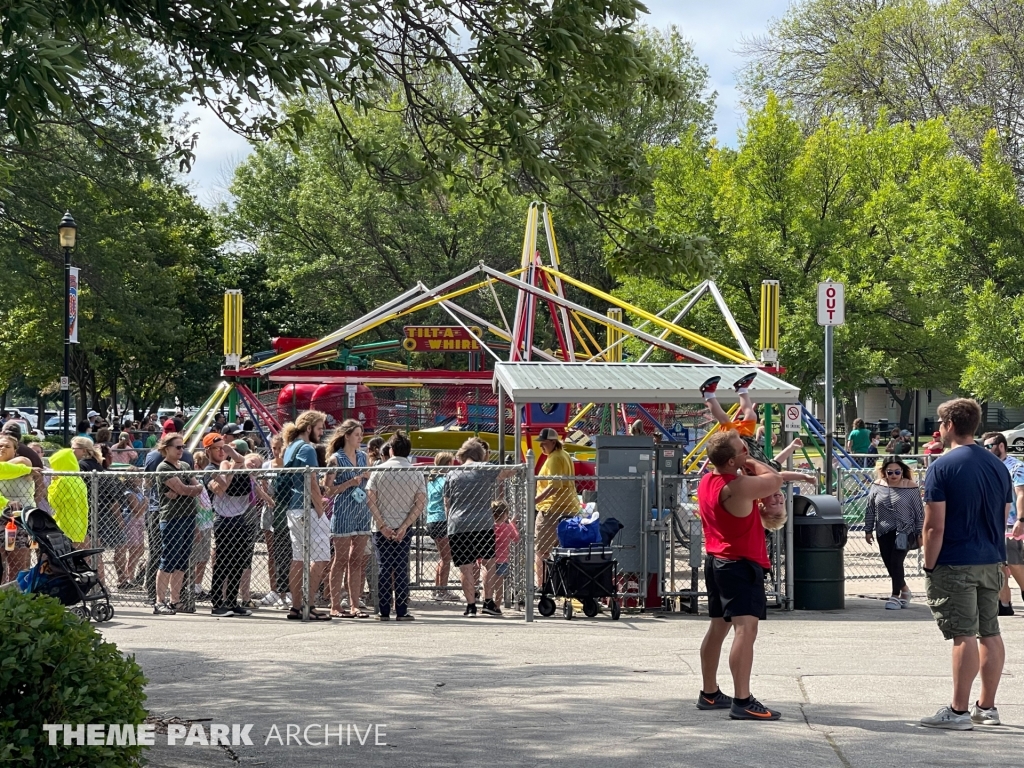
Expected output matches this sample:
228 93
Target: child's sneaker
743 384
707 389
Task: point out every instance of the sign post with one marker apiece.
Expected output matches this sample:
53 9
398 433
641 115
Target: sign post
831 312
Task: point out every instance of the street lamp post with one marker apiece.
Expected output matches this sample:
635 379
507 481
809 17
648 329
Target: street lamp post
67 232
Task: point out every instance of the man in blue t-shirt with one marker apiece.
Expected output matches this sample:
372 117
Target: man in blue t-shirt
996 443
967 495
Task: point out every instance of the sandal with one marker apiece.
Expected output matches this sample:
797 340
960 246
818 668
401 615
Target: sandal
295 614
339 614
358 615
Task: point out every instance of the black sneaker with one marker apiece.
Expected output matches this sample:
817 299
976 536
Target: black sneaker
752 710
717 700
746 381
491 609
709 386
470 610
1006 610
238 610
221 610
163 609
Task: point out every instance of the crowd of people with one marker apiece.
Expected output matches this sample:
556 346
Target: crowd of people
213 506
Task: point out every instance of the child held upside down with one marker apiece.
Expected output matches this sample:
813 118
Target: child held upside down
745 423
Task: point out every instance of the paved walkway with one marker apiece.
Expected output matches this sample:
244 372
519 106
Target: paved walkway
593 693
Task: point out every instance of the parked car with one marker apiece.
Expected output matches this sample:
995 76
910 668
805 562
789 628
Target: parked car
55 424
27 415
1015 436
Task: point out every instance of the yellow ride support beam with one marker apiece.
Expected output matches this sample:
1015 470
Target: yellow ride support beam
575 419
586 330
696 338
426 304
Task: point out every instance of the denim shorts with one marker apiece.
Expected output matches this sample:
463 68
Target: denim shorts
176 536
501 569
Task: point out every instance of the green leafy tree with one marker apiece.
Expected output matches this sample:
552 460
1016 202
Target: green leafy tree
960 60
495 96
892 211
339 241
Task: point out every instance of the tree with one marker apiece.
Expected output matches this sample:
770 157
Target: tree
146 251
892 211
339 241
956 59
992 345
494 95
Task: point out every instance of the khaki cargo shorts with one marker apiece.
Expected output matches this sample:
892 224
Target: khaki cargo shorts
965 599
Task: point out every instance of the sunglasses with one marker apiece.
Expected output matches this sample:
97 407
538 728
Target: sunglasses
176 447
894 471
990 446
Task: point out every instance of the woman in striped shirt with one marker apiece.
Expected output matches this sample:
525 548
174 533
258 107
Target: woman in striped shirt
894 507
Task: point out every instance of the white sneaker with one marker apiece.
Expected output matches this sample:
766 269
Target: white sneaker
983 716
950 720
271 598
893 604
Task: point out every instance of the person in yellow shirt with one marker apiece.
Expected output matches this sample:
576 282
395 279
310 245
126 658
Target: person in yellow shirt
556 499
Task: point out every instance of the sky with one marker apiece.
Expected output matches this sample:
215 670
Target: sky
716 30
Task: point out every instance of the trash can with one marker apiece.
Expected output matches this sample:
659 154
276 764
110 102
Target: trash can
819 535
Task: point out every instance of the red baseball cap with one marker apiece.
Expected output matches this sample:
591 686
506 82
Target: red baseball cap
169 426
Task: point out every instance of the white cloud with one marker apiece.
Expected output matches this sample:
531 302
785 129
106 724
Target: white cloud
714 28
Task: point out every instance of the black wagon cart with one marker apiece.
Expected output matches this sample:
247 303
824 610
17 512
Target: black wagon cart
587 575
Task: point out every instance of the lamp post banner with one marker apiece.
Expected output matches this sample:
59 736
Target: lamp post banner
73 305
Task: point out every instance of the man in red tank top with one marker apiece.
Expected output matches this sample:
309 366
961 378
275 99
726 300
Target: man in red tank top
734 570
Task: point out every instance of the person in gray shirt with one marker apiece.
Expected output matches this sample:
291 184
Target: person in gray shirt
468 492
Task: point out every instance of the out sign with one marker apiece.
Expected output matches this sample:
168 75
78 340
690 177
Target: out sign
831 303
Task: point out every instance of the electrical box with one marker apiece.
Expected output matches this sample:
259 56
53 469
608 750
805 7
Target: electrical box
630 461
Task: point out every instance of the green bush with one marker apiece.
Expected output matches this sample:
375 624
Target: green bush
55 668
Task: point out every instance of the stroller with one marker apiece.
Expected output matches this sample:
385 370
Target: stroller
64 572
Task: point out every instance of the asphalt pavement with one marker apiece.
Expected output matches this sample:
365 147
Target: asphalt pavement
595 693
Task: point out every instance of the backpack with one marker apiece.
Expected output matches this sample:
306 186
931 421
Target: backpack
284 487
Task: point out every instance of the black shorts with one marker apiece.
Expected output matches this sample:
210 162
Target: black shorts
438 530
735 588
471 546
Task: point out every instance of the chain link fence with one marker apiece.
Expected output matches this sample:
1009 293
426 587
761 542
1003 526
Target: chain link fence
391 540
241 540
863 560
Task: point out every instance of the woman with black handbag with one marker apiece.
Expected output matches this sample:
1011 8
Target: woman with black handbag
895 513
